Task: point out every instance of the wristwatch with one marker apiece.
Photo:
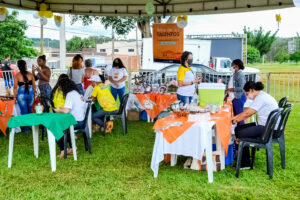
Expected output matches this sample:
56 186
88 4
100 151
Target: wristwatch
192 83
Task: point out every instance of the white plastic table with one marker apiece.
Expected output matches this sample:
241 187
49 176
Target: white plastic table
51 142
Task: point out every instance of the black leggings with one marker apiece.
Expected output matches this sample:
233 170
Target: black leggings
61 141
248 131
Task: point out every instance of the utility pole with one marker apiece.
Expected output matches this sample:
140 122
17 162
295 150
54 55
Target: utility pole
113 44
137 48
62 43
42 40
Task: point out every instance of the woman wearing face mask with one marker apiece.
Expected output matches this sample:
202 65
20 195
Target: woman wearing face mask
118 76
43 76
239 81
186 79
263 104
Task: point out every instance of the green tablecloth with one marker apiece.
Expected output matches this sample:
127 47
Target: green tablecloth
55 122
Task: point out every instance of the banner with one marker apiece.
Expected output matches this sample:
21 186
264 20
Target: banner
167 43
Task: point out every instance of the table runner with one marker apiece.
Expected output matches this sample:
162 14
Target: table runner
55 122
6 108
159 102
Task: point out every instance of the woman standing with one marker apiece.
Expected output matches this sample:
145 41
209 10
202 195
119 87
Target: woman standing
88 73
24 89
186 79
76 72
118 76
239 81
43 76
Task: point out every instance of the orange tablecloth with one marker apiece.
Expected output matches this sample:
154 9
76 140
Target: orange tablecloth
223 125
6 108
159 102
173 132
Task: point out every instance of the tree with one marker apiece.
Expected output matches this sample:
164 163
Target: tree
76 44
259 40
123 25
253 54
13 39
282 56
295 56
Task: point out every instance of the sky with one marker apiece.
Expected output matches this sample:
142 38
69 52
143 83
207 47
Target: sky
201 24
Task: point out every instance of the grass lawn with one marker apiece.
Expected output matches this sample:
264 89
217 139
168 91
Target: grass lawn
119 168
276 67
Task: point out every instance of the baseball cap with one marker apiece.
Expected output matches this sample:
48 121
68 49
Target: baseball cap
95 78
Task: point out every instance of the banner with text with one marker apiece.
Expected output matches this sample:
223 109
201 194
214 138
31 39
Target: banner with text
167 43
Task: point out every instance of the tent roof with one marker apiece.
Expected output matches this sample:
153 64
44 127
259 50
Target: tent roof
137 7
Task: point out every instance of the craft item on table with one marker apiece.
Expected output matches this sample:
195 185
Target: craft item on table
199 117
155 88
172 86
163 89
182 114
138 89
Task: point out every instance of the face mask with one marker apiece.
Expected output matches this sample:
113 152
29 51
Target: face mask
232 70
250 96
190 62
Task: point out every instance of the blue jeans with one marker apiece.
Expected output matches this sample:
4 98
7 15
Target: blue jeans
45 90
9 83
80 88
184 99
238 106
117 92
25 101
98 116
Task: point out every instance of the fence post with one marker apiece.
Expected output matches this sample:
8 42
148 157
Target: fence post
268 82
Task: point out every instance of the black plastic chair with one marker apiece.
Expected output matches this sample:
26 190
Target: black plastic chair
283 102
48 105
120 114
265 142
278 135
85 132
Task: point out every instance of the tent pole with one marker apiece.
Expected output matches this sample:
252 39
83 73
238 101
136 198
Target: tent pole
42 40
62 43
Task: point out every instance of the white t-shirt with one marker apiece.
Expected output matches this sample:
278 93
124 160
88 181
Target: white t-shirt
187 90
75 102
117 74
264 104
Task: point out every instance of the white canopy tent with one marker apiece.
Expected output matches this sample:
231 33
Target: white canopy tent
137 7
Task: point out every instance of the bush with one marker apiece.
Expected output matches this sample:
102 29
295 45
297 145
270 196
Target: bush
253 54
282 56
295 56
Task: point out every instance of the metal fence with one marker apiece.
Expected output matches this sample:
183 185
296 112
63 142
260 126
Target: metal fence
278 84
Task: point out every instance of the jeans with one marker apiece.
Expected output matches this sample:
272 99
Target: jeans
250 130
117 92
184 99
25 101
61 143
45 90
80 88
9 83
238 106
98 116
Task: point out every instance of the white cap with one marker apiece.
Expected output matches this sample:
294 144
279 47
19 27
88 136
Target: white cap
95 78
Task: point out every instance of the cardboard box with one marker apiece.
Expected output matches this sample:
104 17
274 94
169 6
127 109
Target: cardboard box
133 115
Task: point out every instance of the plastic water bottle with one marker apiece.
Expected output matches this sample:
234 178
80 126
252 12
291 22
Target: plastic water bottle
39 109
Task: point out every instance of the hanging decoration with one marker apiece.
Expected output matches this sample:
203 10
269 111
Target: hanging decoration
3 12
36 15
297 3
57 20
43 21
278 20
182 21
43 12
150 8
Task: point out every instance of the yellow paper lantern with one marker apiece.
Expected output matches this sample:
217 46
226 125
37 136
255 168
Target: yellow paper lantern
43 7
182 21
48 13
41 13
58 18
3 11
278 18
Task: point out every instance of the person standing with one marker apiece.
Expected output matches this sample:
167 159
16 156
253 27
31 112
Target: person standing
118 76
43 76
88 73
7 75
186 79
76 72
239 81
24 89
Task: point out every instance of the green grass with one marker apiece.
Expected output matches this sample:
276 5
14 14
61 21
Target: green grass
276 67
119 168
